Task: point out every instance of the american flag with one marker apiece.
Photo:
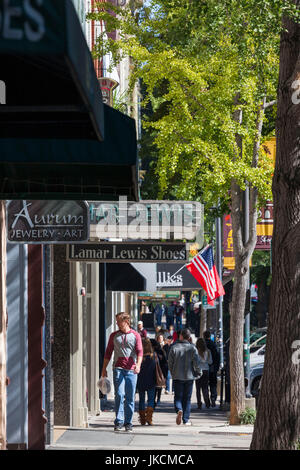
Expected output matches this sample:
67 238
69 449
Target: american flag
202 267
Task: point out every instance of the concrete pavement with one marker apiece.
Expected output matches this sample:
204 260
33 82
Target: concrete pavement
209 431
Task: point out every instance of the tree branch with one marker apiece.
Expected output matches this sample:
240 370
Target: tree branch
236 219
271 103
259 125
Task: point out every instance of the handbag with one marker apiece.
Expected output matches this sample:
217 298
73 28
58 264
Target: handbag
160 379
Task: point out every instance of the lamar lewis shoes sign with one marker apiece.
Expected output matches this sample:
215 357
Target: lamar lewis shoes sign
129 252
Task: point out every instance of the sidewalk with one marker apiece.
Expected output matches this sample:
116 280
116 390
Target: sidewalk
209 431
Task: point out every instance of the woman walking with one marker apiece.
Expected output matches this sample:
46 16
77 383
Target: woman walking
157 348
146 383
202 383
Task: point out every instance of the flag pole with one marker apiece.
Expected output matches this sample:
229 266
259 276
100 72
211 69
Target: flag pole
183 266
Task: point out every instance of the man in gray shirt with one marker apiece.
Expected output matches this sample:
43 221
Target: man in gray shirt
184 365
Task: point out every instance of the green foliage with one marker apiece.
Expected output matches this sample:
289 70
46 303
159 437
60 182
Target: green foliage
122 102
261 258
248 416
260 269
199 62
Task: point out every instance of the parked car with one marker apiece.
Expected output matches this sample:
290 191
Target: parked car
256 373
258 357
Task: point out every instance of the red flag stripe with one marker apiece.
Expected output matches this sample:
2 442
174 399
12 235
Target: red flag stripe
205 276
200 260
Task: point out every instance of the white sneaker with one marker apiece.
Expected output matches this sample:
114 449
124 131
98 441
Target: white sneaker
188 423
166 392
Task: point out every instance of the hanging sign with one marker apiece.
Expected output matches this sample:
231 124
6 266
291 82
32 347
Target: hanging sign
228 261
47 221
107 86
264 227
170 276
146 220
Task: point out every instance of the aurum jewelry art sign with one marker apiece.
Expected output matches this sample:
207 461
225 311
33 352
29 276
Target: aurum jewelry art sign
47 221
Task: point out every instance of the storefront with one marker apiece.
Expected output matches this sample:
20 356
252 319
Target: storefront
58 141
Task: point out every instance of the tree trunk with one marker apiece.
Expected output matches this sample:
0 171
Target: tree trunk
237 381
241 255
277 425
243 247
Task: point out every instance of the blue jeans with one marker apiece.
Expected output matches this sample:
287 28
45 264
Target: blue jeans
125 384
178 323
142 398
182 397
168 381
170 321
158 319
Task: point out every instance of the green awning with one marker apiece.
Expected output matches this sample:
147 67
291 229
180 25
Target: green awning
73 169
57 138
51 85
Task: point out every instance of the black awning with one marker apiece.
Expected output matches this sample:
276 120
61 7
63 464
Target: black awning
182 281
73 169
52 89
124 277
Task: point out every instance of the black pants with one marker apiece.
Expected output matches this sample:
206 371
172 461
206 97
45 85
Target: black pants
202 386
157 394
213 385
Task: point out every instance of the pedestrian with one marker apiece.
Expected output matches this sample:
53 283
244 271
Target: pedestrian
188 311
197 314
158 312
160 339
178 316
157 329
163 365
184 365
141 330
126 344
146 383
202 382
213 368
172 332
170 313
192 317
166 348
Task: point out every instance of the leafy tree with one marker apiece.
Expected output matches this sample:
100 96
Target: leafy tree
216 63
